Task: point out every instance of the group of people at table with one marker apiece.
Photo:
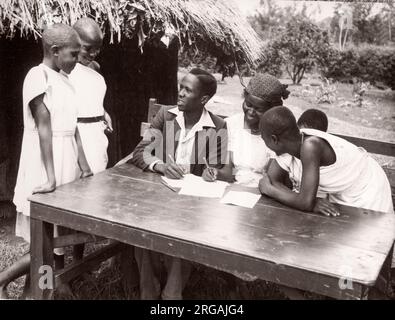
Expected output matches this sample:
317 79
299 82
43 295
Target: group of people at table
294 162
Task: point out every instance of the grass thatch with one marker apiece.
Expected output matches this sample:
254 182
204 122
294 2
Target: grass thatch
218 22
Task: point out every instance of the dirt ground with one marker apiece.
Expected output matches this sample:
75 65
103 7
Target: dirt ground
375 120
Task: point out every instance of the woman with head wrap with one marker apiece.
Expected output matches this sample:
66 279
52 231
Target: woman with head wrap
248 154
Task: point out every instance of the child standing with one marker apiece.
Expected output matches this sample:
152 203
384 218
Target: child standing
91 88
51 152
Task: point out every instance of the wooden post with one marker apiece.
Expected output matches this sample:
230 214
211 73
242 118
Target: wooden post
42 260
130 272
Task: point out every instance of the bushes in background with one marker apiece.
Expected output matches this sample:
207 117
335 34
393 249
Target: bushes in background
368 63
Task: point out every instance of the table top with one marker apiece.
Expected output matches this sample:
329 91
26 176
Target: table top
353 245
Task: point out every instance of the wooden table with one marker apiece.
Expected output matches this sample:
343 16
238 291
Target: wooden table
271 242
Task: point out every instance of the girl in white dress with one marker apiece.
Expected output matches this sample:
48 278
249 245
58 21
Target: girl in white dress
51 152
90 86
45 85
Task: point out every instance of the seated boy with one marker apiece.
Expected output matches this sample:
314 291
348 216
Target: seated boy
310 119
313 119
345 172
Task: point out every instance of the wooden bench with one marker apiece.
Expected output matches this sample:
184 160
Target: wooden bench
153 108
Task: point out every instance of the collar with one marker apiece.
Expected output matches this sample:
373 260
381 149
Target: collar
50 69
57 73
204 121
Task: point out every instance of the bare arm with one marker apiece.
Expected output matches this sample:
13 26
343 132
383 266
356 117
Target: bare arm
226 173
306 198
278 175
42 119
82 162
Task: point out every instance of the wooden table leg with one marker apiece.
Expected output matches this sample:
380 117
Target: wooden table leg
382 290
383 283
130 272
42 260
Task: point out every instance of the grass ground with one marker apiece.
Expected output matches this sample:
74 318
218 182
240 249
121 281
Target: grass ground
376 120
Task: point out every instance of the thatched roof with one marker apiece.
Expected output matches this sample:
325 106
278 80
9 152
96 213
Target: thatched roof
214 23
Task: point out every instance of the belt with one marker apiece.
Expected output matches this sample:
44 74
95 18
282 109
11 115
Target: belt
55 133
90 119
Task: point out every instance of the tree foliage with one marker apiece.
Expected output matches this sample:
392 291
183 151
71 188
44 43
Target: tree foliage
267 19
366 27
300 45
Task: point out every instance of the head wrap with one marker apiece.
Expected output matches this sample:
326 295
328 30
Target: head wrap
268 88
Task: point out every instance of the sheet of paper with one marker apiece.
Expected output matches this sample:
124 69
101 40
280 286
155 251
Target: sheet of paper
175 183
241 198
195 186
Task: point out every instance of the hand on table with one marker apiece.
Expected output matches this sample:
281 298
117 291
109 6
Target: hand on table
45 188
170 170
265 184
86 174
325 207
210 174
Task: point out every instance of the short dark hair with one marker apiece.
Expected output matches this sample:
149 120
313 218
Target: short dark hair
208 83
314 119
278 121
58 34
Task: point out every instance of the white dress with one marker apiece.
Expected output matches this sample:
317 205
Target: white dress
250 153
90 91
59 100
355 179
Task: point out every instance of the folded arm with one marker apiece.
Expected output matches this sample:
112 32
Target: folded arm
272 184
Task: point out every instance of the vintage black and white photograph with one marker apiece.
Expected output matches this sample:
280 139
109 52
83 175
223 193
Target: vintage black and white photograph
203 150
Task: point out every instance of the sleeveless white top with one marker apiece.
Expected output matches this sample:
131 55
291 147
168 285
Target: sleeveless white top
355 179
